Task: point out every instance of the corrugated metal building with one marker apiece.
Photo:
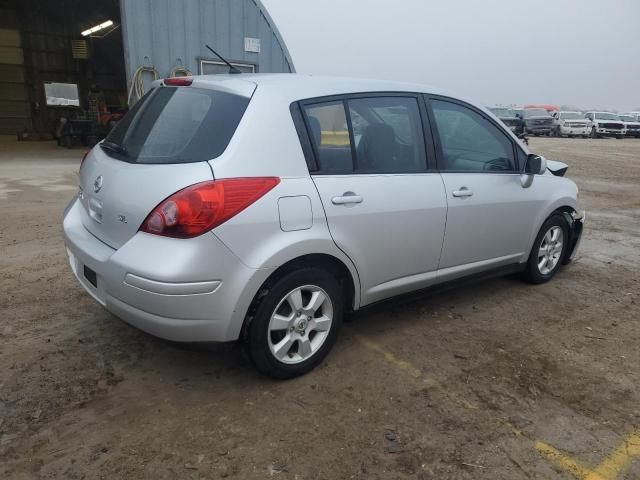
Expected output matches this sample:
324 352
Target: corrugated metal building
41 45
170 33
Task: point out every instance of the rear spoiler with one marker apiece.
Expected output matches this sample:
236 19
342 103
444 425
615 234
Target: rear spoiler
235 84
557 168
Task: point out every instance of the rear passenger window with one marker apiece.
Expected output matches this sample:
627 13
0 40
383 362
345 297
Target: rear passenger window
470 142
386 132
329 134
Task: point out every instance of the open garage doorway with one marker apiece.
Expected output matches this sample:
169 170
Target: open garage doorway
62 70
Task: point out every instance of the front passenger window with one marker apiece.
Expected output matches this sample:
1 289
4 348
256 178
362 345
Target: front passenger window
470 142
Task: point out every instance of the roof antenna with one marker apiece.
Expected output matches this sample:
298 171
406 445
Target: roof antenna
232 69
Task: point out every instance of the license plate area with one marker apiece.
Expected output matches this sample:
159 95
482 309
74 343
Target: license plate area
91 276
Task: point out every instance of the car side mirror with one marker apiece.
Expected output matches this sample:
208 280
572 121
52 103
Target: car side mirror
535 165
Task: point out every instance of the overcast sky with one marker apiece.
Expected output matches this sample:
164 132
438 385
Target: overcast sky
576 52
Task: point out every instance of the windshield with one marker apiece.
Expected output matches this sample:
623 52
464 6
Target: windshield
176 125
572 115
536 112
503 112
607 116
627 118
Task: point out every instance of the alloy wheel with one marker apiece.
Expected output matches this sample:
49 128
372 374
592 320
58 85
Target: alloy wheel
300 324
550 250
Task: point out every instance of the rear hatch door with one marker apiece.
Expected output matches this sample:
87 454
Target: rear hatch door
117 196
161 146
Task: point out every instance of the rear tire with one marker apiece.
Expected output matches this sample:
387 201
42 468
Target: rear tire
548 250
295 322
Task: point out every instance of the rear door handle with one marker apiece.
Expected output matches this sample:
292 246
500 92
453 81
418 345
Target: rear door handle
463 192
347 198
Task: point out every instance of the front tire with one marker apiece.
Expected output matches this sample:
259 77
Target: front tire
548 250
294 324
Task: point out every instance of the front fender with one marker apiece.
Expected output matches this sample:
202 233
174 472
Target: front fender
565 202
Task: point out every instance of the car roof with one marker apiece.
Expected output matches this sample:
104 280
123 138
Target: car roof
295 86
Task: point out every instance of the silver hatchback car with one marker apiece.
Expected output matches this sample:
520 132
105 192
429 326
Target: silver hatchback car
266 207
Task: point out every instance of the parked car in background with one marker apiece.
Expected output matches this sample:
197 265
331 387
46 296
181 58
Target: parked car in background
547 107
631 124
571 124
509 117
606 124
537 121
255 208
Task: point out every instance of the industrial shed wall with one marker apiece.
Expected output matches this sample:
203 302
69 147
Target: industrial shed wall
170 33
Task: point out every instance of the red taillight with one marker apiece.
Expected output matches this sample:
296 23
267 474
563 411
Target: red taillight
201 207
178 81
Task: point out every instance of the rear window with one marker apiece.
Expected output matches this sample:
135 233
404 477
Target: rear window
176 125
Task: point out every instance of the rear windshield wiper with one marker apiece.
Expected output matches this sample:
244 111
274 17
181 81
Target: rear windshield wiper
114 147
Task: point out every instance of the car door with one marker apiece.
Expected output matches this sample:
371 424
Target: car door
490 214
385 208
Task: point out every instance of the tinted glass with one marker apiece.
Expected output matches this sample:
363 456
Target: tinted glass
572 115
606 116
536 112
177 125
470 143
387 132
329 134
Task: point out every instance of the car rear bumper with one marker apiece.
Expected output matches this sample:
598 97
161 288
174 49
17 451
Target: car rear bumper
178 289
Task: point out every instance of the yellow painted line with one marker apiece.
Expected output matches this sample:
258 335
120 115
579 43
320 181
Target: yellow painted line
391 358
414 372
611 468
564 462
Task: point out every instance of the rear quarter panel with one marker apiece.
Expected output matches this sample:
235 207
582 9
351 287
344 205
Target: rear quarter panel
255 235
265 143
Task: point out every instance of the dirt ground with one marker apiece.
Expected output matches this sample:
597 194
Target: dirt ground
495 380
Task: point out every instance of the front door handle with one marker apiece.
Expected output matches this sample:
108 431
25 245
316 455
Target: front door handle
463 192
347 198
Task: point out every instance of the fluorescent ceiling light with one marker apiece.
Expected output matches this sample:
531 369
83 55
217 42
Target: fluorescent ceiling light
97 28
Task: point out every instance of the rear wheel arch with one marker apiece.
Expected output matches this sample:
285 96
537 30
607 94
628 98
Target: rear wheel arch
331 264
